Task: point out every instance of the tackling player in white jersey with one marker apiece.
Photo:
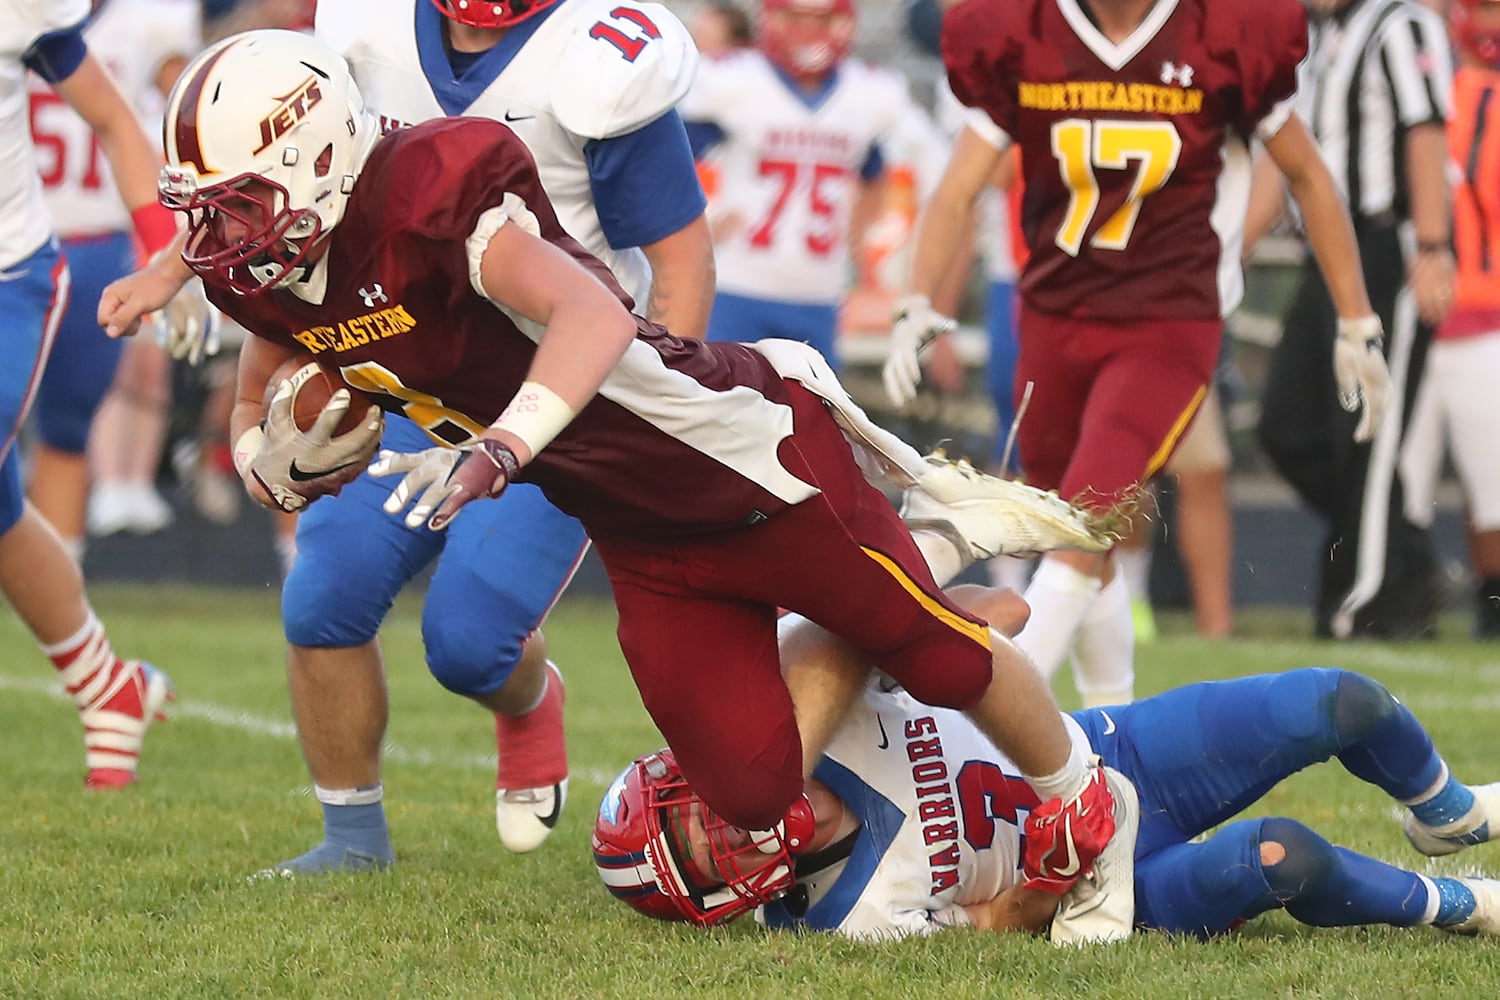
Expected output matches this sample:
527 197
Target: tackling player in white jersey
589 86
919 822
143 44
796 128
117 699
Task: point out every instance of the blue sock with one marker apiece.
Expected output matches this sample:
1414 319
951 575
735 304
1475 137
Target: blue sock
1455 902
1452 803
355 838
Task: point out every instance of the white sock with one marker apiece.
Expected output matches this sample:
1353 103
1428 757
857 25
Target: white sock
1135 566
942 556
1013 572
1067 781
1059 596
1104 655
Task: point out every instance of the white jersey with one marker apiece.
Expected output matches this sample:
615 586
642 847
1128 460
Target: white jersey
132 38
24 223
789 170
940 810
573 80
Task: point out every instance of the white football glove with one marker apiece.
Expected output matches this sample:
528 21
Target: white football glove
445 479
188 325
1359 367
296 467
914 325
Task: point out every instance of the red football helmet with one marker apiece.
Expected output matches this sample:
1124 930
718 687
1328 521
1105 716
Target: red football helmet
491 13
1476 33
642 852
807 37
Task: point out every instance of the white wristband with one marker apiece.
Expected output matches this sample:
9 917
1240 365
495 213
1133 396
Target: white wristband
536 415
245 450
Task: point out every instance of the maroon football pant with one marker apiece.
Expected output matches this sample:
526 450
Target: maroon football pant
1111 400
698 623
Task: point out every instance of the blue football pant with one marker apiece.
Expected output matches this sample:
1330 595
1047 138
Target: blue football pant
1199 755
33 295
744 320
501 566
83 362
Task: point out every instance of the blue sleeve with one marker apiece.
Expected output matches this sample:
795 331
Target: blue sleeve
703 137
874 164
57 55
645 184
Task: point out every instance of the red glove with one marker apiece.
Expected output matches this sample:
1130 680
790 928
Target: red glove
1063 839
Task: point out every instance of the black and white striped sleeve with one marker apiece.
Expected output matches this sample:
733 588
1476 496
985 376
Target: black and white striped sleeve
1418 66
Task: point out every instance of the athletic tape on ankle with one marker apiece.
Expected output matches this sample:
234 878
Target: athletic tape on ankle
349 796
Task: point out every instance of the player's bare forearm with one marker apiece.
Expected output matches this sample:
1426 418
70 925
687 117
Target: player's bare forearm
682 280
945 217
258 361
1014 909
1267 201
1324 217
1427 182
132 158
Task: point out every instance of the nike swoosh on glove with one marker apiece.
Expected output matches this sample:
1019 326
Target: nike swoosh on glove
296 467
1063 838
444 480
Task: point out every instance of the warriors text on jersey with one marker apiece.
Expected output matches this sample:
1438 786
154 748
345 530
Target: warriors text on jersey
940 809
564 79
1134 154
399 318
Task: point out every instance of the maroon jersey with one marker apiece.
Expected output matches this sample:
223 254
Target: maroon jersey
1134 156
682 437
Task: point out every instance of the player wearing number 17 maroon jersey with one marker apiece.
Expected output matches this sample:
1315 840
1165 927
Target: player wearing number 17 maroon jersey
1134 119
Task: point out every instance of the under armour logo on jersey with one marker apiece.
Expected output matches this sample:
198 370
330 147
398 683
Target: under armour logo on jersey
372 297
1180 75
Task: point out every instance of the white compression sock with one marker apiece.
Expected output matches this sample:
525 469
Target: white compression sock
1104 655
1135 566
1059 596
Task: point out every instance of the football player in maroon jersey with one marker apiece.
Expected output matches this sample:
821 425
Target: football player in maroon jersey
428 269
1134 120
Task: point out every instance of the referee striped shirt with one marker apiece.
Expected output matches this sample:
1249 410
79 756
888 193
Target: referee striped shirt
1375 69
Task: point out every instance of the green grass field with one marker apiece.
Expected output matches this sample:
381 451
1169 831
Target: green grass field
145 893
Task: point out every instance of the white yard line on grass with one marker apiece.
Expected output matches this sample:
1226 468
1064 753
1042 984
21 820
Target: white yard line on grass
232 718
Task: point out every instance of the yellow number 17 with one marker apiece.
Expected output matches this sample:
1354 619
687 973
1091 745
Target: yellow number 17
1082 145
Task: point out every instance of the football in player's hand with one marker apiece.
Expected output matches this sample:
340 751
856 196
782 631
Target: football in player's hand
316 388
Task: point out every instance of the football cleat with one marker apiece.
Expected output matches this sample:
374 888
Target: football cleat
116 718
985 516
531 785
1466 831
1101 906
1486 916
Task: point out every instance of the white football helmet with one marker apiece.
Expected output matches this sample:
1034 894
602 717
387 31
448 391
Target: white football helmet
278 107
